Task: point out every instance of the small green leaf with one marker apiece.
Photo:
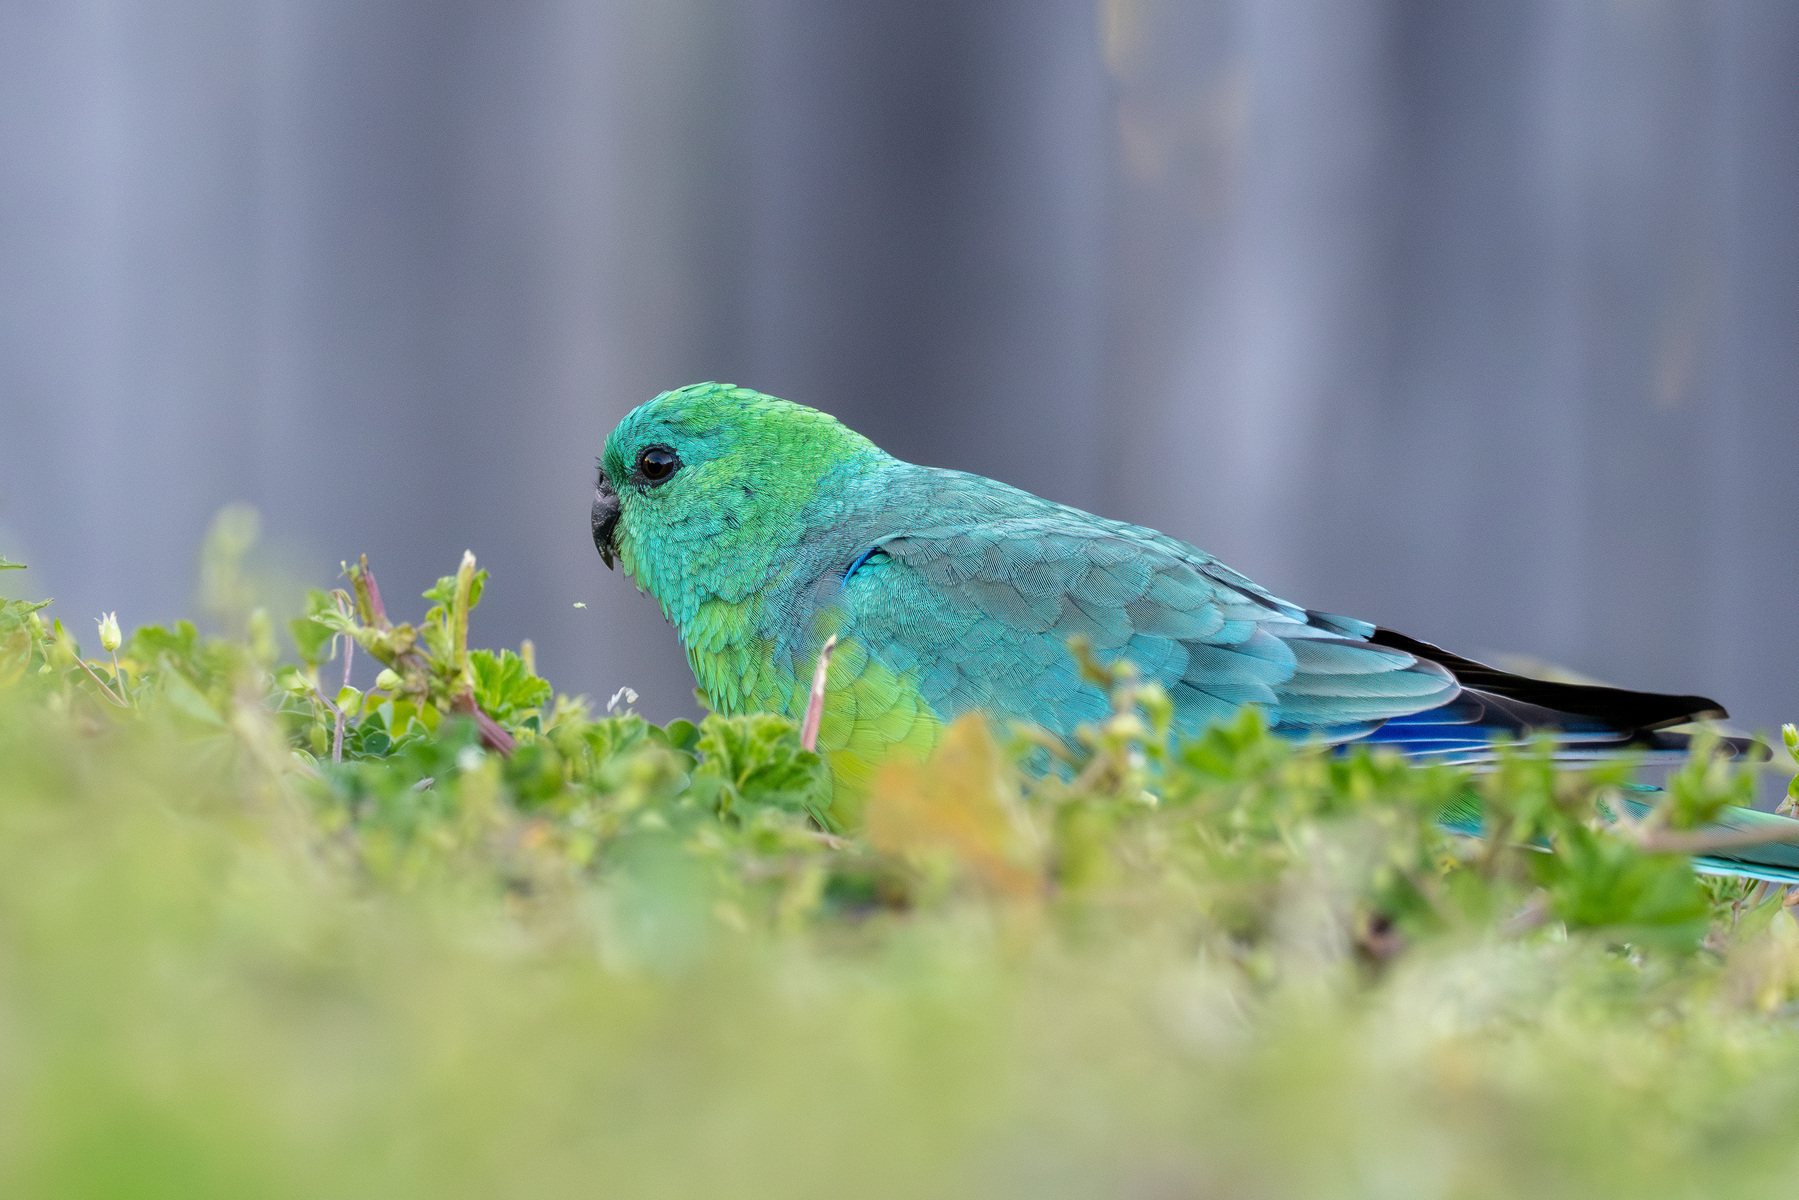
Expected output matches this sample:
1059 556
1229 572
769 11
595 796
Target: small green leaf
504 686
1704 785
187 699
1601 882
757 761
682 734
20 634
311 639
289 679
444 590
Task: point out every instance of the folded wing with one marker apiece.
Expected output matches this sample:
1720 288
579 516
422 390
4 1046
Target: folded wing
981 615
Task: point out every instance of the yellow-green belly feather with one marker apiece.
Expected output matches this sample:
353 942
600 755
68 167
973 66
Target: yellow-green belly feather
871 713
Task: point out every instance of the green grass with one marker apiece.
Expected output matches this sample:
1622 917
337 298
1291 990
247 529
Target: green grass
633 961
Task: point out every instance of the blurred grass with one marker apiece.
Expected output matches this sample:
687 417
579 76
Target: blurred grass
609 965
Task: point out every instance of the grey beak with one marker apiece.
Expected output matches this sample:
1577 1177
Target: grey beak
605 518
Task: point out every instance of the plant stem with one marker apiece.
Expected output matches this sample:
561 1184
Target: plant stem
459 606
1698 841
815 703
368 593
95 676
118 678
493 734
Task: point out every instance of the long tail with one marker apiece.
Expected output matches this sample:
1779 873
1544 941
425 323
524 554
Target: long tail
1586 724
1775 860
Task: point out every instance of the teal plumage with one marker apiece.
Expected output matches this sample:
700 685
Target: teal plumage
966 586
977 587
763 527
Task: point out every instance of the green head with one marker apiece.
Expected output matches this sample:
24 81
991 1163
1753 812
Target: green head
701 488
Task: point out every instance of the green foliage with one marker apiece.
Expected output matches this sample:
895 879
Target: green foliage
1789 736
756 761
312 636
263 934
506 688
21 633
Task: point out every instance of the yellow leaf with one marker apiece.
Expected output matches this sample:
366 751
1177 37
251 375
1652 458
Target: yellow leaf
962 803
1763 968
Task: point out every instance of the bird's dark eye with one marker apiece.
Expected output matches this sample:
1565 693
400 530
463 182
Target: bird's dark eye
657 463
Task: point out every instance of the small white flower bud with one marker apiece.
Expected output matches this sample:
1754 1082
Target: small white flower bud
109 631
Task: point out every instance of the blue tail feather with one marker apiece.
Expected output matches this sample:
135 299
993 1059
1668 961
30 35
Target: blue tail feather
1584 725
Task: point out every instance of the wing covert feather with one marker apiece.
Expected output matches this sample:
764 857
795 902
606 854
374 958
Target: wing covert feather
982 614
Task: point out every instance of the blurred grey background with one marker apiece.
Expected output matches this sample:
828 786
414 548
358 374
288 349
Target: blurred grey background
1480 320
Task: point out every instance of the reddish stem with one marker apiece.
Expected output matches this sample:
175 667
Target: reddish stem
815 703
493 734
368 595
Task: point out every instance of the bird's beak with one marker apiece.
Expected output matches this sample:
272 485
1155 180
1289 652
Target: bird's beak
605 518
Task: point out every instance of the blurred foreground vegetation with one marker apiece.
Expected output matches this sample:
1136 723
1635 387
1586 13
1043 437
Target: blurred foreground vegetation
261 935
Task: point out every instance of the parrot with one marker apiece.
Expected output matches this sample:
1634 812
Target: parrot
763 528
